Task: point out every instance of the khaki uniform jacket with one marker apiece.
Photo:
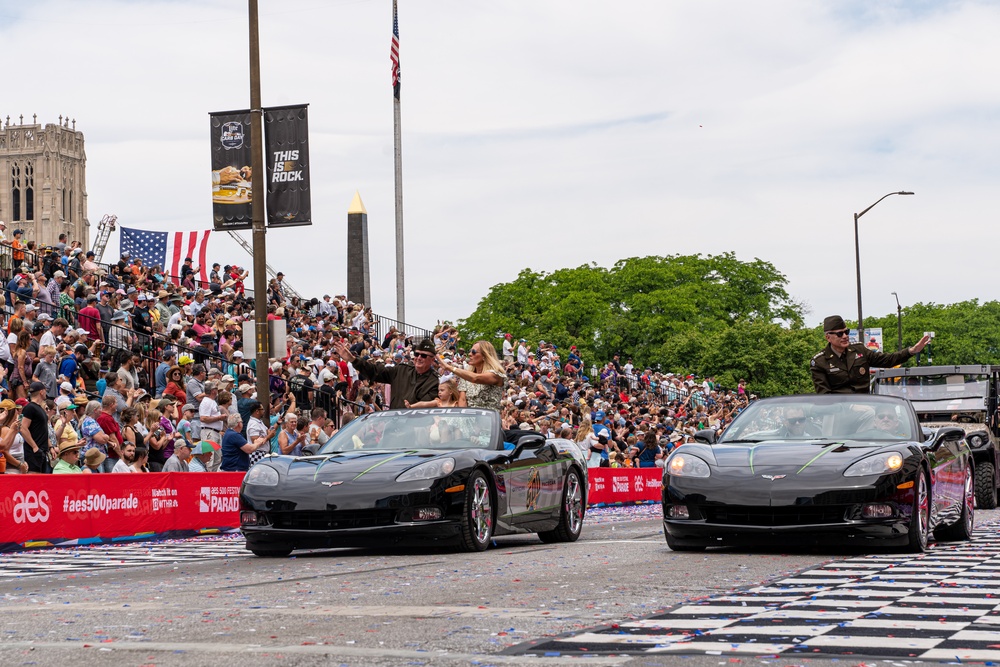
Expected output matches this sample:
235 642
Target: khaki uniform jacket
406 383
848 374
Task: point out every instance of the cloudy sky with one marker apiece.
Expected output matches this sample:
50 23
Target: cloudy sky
549 134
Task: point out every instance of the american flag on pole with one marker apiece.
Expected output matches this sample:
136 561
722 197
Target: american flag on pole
167 249
394 52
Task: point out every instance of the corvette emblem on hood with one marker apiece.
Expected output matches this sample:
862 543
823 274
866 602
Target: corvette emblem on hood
773 477
339 483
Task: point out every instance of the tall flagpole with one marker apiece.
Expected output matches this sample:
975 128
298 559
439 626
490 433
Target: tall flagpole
398 155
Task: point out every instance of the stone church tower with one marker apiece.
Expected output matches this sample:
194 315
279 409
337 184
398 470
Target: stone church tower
43 187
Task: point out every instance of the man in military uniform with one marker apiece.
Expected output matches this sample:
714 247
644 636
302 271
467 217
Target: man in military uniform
842 368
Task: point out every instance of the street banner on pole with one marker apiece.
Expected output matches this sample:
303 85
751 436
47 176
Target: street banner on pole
286 154
232 193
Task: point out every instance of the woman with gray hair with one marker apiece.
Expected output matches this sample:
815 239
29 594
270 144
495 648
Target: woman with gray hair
235 448
93 435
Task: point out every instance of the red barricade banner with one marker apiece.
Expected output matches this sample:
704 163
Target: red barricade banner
36 510
50 510
624 485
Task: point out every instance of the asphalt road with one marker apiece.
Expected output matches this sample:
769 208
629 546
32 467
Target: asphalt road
360 607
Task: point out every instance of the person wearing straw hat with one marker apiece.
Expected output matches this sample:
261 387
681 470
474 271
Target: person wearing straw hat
69 456
93 459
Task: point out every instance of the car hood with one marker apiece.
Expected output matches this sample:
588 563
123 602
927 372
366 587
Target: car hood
347 467
782 453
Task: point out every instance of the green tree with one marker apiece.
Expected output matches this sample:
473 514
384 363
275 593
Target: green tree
656 310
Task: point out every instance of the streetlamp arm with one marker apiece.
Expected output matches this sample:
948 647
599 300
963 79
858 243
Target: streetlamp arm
901 192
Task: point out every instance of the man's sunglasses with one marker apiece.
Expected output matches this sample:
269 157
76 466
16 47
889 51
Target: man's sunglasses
797 420
838 334
886 415
425 355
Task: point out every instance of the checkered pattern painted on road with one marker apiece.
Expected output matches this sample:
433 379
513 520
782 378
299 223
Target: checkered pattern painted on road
940 605
112 556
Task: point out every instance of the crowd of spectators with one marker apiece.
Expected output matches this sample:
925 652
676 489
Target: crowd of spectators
619 415
121 368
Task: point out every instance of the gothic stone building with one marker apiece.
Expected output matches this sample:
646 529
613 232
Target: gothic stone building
42 181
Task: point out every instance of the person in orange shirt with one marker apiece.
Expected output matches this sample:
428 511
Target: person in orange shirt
17 248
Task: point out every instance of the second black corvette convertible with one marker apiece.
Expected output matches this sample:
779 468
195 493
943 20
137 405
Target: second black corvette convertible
416 476
840 468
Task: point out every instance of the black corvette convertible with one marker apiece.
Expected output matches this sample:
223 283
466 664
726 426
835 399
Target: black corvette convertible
416 476
838 468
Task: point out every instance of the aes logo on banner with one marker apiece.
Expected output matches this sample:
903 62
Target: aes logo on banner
30 507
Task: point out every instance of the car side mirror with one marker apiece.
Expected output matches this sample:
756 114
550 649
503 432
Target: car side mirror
947 434
705 436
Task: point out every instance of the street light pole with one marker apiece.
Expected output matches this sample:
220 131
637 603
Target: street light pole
258 186
899 324
857 257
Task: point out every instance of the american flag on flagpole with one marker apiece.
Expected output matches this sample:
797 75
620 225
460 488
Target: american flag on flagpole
167 249
394 52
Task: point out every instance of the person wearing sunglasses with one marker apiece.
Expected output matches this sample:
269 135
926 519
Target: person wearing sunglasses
843 367
887 421
794 424
413 383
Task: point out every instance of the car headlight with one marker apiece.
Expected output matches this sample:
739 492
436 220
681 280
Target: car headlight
430 470
686 465
976 440
876 465
262 475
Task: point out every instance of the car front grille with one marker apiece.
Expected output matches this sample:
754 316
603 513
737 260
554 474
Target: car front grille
338 520
750 515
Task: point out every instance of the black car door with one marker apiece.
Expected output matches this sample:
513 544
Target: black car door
535 485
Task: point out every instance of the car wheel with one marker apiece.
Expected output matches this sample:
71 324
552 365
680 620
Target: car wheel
270 553
674 546
571 515
920 516
986 488
477 519
961 530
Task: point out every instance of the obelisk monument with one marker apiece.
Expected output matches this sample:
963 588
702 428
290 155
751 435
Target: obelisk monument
359 286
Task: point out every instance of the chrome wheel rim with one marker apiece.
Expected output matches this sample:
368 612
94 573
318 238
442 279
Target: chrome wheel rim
923 511
574 504
970 500
481 510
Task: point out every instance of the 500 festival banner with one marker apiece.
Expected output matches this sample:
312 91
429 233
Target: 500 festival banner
49 510
286 159
64 510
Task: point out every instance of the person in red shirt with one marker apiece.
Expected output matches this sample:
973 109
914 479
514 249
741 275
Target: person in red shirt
237 275
106 420
89 319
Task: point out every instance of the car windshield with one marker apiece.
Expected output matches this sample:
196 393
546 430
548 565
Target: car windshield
460 428
824 417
